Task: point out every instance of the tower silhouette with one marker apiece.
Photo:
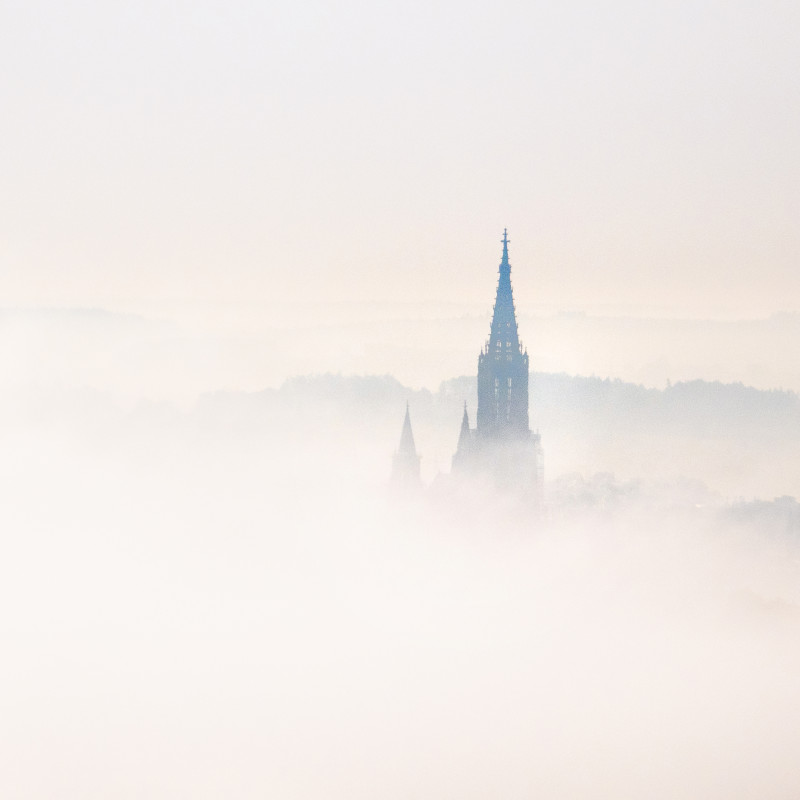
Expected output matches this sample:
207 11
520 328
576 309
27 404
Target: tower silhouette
502 447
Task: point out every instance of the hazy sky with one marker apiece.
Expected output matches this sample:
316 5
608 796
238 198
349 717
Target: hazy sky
218 154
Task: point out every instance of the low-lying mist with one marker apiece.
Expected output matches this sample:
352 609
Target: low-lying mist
194 604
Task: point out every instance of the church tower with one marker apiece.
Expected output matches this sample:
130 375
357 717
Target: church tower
503 367
405 466
502 446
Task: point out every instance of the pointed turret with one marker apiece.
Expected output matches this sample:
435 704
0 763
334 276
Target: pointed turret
405 467
464 448
407 446
464 435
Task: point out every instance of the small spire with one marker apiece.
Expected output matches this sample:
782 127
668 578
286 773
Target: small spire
405 466
407 437
505 245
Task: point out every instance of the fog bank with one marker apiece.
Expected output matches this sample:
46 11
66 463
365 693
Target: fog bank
208 610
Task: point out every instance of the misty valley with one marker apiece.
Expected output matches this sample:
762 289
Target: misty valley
233 590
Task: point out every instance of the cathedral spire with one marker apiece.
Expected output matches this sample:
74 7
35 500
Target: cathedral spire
503 366
503 335
502 444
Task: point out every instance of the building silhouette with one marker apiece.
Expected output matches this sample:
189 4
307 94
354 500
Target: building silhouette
405 465
502 448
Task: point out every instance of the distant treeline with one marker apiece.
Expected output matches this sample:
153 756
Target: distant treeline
696 408
740 441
